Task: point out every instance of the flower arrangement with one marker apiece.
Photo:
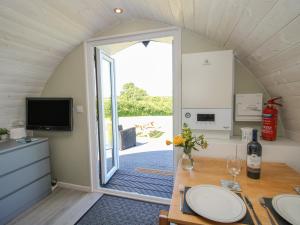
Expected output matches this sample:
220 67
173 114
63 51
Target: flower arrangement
3 133
188 141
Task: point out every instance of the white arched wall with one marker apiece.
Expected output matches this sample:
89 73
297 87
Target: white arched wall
69 151
36 35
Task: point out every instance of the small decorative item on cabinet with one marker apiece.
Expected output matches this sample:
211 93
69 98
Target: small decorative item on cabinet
188 142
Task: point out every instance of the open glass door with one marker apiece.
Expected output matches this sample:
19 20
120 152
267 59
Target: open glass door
107 112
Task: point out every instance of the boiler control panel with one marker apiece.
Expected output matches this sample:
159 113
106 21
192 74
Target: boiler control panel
208 119
205 117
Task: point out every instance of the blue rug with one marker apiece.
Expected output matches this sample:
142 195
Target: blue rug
111 210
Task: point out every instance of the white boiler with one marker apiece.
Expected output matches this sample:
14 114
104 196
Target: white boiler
207 92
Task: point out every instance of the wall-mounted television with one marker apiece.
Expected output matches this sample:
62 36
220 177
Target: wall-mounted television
49 114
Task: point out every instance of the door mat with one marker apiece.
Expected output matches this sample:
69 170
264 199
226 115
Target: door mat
154 171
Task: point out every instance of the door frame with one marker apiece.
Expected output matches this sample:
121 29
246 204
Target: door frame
89 46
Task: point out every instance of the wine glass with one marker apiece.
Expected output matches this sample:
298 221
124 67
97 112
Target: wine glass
234 166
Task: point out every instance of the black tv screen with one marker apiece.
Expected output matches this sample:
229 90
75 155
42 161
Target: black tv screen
49 114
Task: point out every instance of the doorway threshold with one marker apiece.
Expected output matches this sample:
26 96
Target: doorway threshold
134 195
142 181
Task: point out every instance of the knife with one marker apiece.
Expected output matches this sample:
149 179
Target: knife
181 192
252 209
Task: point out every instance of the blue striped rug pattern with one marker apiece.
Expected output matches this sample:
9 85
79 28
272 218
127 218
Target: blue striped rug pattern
112 210
147 184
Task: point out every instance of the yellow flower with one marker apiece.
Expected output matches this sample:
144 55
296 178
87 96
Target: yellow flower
178 140
168 142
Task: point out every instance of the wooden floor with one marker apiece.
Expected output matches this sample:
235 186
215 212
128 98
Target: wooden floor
62 207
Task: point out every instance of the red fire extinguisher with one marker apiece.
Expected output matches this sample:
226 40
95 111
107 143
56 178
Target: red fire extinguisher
270 115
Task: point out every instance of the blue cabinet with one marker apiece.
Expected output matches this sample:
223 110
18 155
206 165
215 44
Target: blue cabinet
24 176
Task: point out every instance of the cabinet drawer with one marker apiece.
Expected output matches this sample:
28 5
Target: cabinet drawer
15 159
24 198
20 178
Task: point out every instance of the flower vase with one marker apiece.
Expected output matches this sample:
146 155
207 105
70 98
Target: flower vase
187 161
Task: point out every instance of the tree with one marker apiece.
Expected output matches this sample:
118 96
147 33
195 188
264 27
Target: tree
130 91
134 101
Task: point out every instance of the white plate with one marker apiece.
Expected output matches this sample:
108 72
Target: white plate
216 203
288 207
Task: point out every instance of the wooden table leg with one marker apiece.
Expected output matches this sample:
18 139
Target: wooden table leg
163 217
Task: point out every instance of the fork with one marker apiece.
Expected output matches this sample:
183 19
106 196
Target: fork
263 204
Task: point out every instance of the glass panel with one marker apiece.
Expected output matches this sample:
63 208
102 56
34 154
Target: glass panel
108 123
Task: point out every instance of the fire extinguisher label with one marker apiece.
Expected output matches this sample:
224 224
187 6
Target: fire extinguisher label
269 126
267 115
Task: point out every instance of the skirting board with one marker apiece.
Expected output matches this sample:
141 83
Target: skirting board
74 186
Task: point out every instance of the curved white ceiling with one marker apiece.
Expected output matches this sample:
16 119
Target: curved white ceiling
35 35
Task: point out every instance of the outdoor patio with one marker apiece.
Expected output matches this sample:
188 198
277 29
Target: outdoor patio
143 179
146 168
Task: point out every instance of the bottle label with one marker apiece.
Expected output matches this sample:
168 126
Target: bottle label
253 161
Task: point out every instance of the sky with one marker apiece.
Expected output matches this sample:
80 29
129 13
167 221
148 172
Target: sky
148 68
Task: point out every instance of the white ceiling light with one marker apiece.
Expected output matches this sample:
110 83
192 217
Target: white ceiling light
118 10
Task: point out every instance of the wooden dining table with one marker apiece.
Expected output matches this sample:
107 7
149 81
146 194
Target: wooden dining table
276 178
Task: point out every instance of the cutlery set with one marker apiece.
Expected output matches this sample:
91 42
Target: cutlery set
263 204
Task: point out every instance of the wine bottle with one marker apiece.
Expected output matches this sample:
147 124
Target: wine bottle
254 152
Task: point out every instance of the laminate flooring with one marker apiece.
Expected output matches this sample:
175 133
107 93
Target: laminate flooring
61 207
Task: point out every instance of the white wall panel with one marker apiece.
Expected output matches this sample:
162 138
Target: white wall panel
281 14
188 11
254 12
